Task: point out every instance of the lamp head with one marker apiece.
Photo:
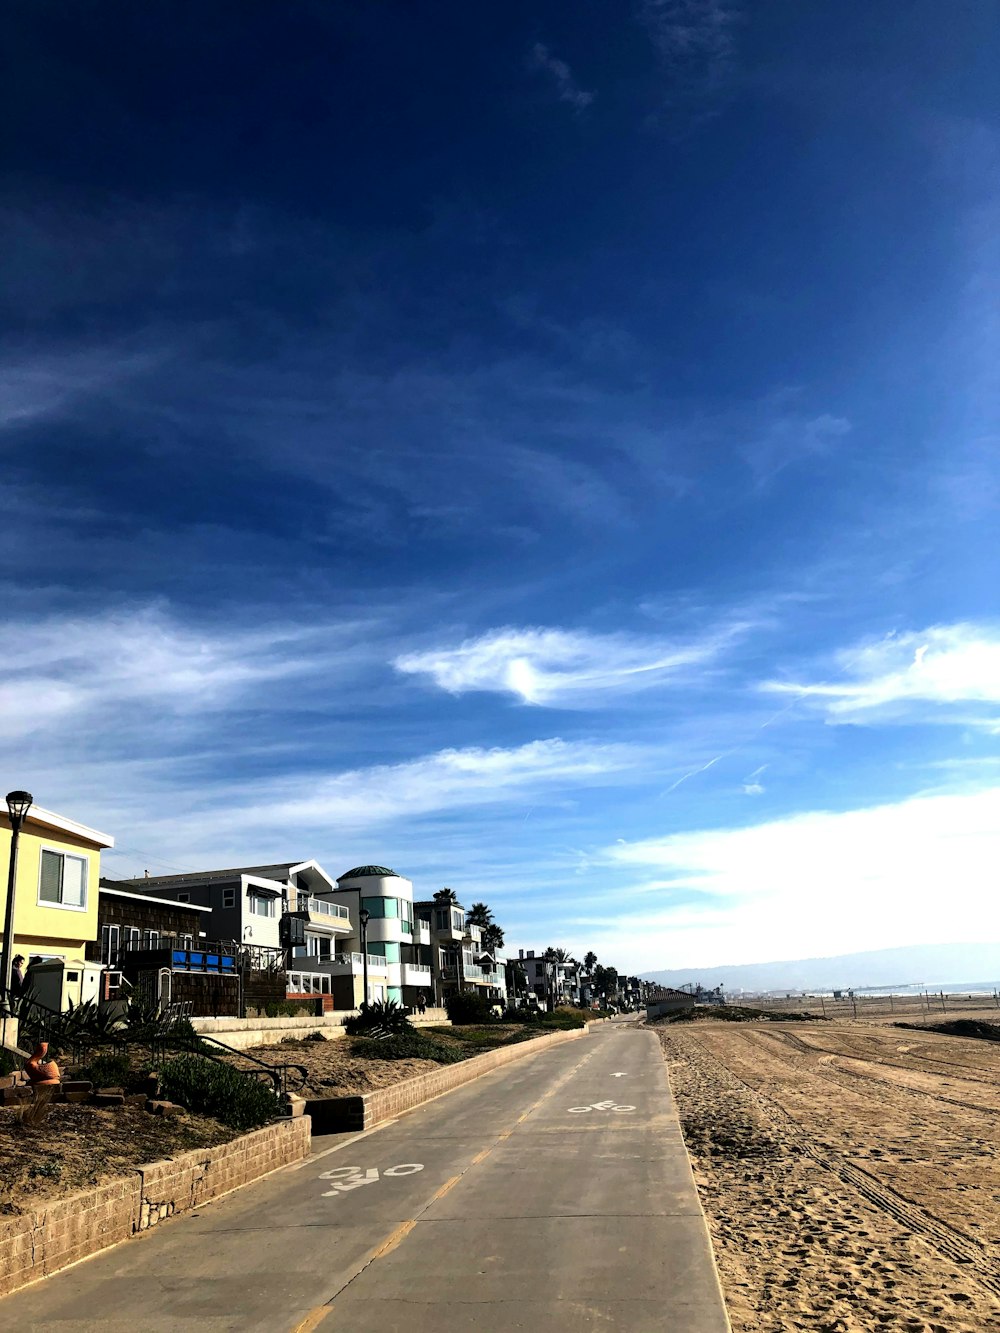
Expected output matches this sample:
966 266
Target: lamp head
364 916
18 803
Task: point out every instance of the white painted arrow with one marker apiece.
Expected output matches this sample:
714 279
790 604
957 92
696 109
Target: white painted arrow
619 1075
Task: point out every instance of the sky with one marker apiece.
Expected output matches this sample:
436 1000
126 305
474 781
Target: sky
551 450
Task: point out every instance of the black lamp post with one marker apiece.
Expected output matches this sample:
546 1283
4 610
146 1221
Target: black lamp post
364 916
18 805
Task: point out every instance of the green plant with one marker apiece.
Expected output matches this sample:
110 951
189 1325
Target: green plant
218 1090
53 1170
9 1062
381 1019
108 1071
469 1007
407 1046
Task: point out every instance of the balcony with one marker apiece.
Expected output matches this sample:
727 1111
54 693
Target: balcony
415 975
332 917
354 963
421 932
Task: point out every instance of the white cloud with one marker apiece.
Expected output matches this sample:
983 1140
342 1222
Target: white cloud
751 785
253 819
62 668
558 667
32 388
695 41
943 665
919 871
567 89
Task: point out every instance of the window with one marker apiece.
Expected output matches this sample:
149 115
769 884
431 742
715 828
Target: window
62 880
228 897
184 897
150 939
440 919
261 905
186 941
457 920
110 943
130 937
380 908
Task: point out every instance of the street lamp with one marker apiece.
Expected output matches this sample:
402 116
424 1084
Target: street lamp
364 916
18 805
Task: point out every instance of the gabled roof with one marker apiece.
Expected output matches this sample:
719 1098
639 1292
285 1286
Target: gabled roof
61 824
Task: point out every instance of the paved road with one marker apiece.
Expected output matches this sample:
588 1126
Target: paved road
551 1195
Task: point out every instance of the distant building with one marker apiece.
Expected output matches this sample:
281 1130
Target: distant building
667 1001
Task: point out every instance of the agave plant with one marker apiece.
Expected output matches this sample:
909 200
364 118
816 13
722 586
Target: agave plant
381 1019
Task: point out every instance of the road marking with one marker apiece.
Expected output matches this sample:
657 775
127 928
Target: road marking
598 1106
445 1188
390 1242
349 1178
620 1075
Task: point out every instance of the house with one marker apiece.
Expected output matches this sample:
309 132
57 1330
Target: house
55 898
398 965
456 953
247 907
155 950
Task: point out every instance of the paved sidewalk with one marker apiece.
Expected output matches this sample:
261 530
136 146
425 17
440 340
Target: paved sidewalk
554 1194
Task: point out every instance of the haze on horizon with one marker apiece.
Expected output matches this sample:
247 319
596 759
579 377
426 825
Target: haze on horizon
552 452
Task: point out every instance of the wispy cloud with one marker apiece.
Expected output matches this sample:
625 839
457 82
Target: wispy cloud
45 385
63 669
790 438
558 667
894 676
695 40
752 786
541 60
837 877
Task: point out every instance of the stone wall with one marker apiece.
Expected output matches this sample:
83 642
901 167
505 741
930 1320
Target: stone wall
35 1244
243 1033
338 1114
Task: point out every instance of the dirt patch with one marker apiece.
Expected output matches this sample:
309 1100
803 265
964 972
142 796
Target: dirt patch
76 1146
960 1027
335 1071
730 1013
850 1178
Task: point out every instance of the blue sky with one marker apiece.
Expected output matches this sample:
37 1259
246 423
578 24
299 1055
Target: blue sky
551 450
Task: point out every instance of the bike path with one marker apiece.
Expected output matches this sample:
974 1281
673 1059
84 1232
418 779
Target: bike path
553 1194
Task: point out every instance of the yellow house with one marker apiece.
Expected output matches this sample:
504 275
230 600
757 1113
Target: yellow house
55 893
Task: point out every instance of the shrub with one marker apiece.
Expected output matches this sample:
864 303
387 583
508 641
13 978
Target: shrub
378 1020
468 1007
9 1062
108 1071
407 1046
218 1090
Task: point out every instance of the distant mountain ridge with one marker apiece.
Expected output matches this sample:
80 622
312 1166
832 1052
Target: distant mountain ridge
929 964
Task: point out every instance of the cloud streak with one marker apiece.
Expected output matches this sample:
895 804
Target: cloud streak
556 667
897 676
542 61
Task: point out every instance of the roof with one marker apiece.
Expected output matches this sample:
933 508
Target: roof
105 887
61 824
368 872
278 872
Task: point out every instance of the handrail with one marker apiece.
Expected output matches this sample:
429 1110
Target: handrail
277 1073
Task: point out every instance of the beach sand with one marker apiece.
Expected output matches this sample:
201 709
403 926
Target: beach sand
850 1172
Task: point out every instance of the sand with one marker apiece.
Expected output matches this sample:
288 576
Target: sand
850 1173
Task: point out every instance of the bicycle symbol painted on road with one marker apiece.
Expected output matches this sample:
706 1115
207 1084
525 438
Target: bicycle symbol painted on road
599 1106
353 1177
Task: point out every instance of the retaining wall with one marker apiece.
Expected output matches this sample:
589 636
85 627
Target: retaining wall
35 1244
331 1115
242 1033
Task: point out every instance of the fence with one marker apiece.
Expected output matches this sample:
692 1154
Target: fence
925 1003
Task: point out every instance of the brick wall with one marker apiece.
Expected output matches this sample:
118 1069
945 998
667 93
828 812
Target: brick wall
35 1244
332 1114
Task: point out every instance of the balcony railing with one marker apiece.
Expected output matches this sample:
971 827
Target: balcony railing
355 961
321 907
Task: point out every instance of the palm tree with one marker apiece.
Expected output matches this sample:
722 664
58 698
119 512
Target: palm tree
446 896
492 938
590 961
479 915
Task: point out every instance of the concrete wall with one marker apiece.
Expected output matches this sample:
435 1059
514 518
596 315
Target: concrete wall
243 1033
35 1244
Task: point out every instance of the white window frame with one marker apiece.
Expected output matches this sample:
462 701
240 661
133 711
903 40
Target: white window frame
74 856
254 898
111 936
